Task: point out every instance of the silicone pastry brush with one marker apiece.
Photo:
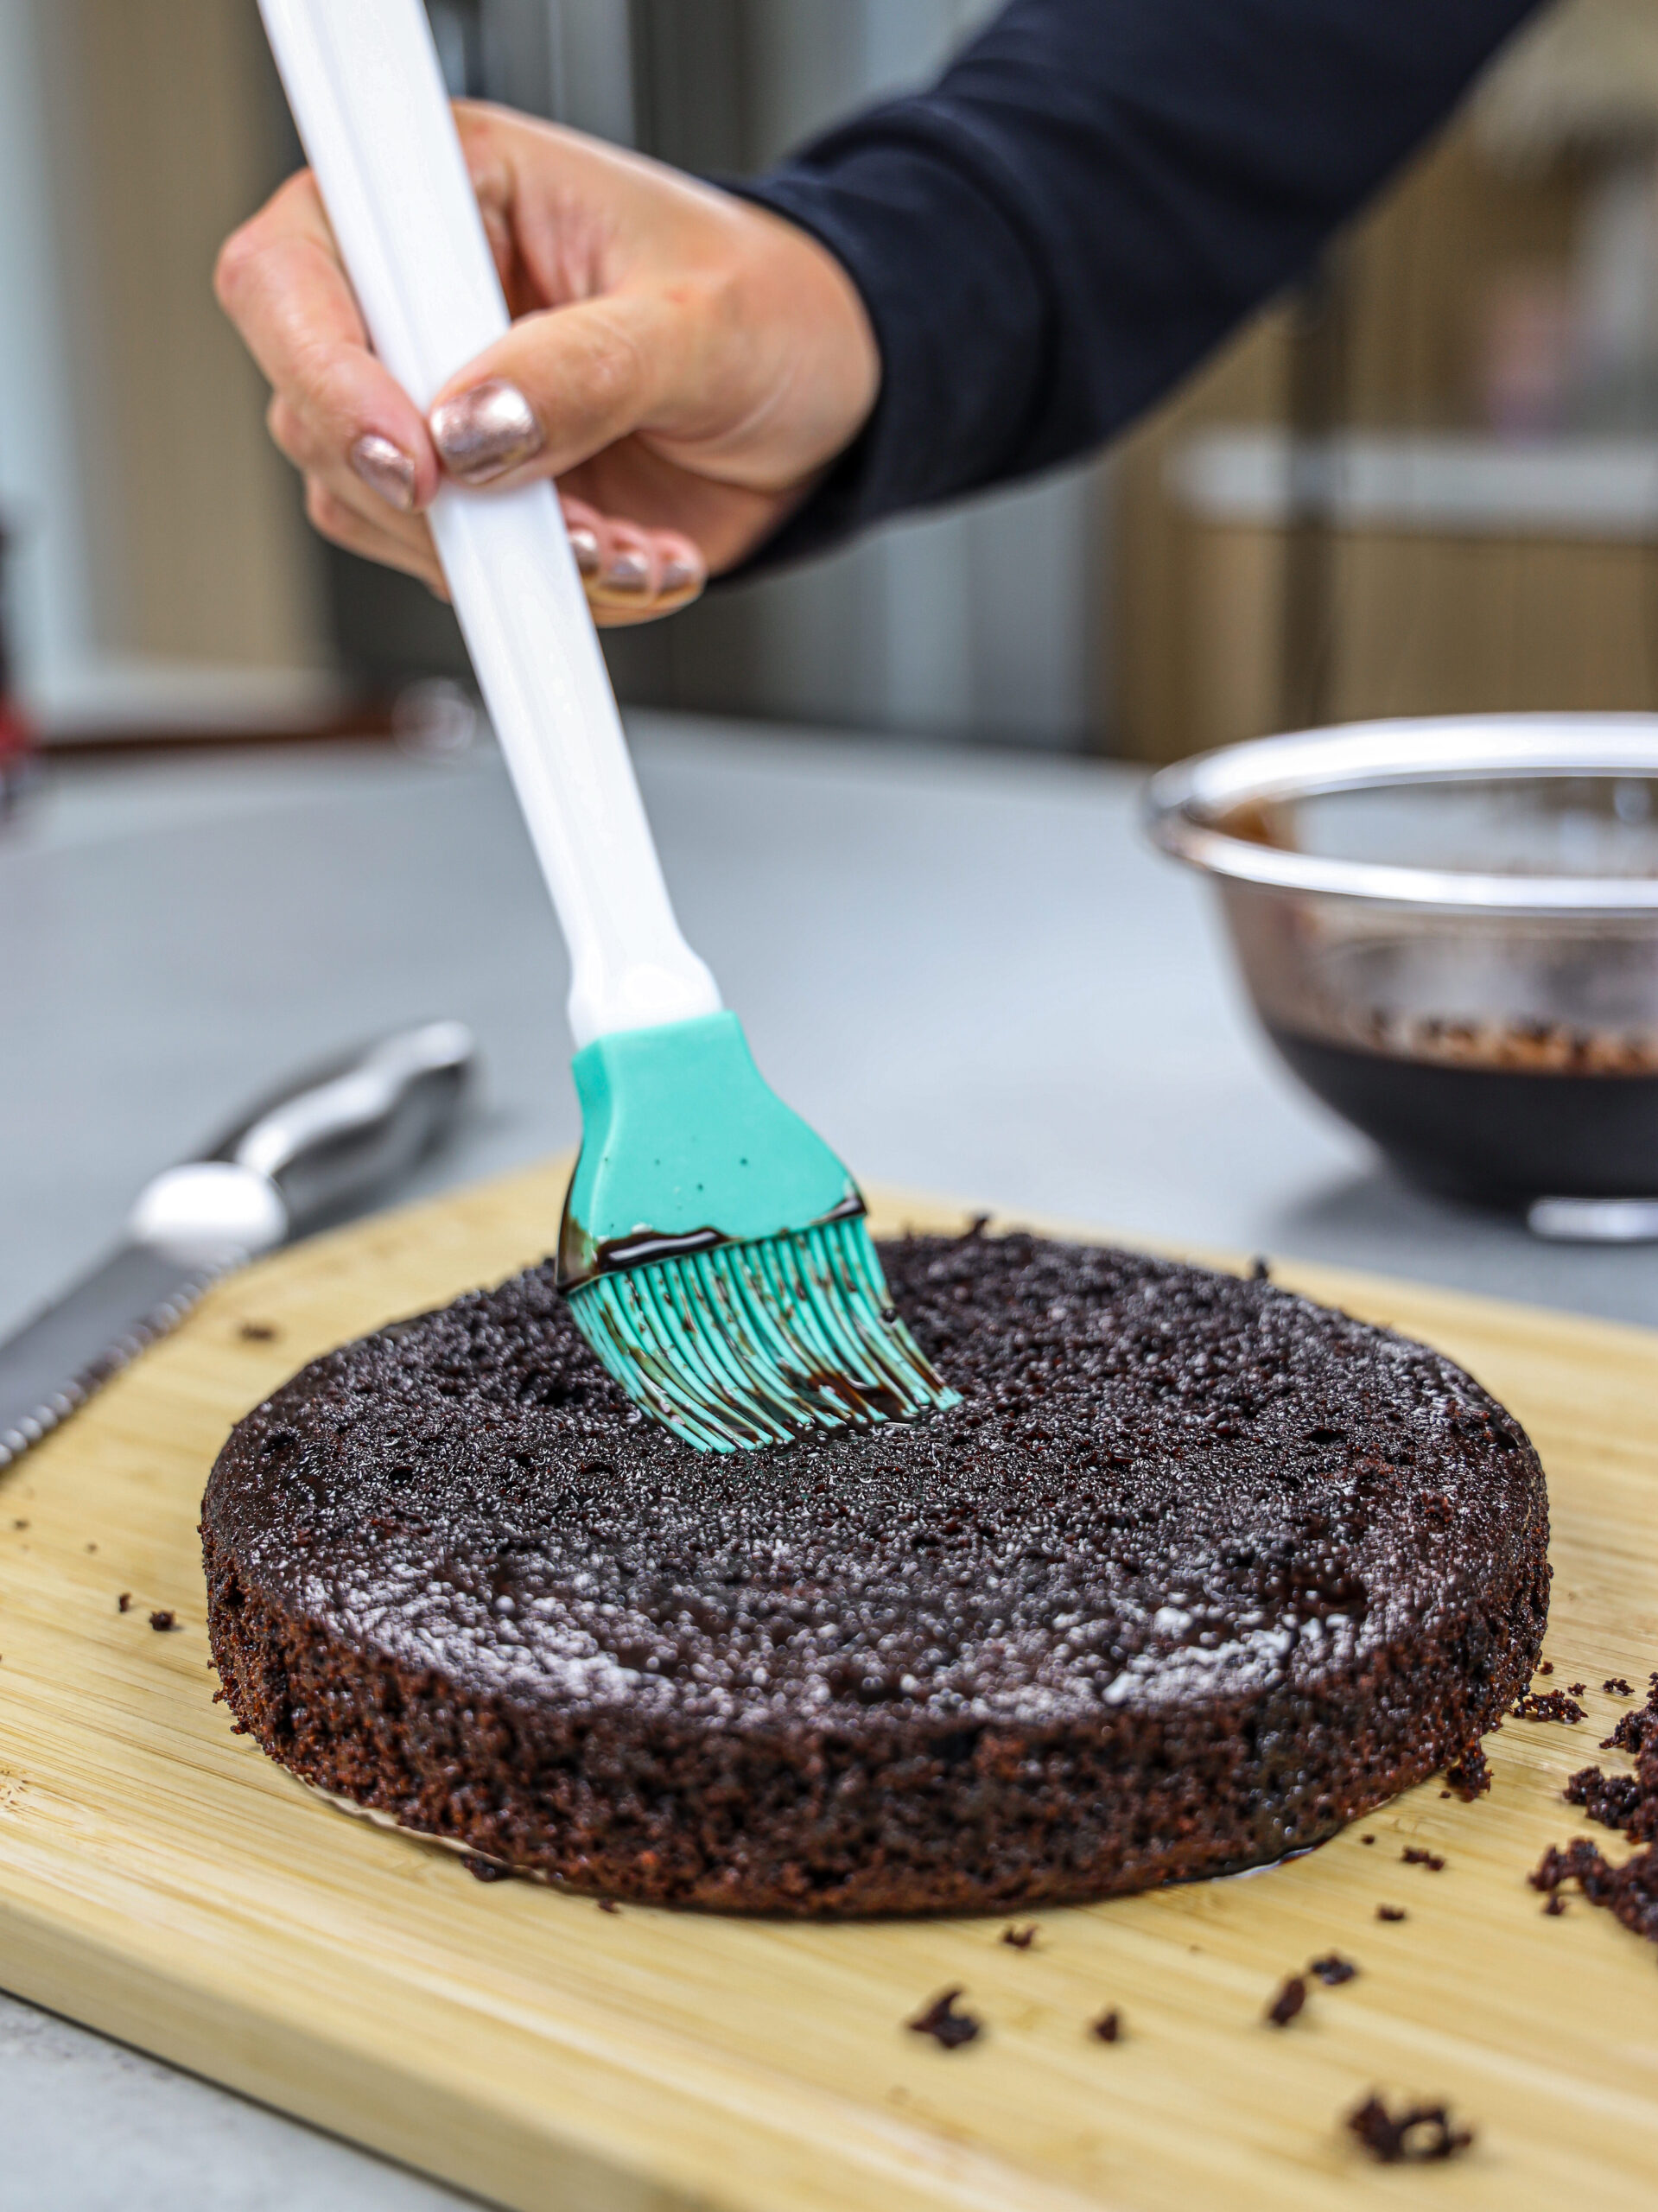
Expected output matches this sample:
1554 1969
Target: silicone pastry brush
714 1249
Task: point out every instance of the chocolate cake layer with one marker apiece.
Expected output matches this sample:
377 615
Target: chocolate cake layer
1195 1572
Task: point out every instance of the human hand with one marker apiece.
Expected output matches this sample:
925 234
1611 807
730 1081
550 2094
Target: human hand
684 365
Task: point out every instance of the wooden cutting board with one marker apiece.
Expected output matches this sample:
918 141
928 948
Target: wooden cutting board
162 1880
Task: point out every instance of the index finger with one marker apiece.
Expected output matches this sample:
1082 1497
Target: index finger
279 279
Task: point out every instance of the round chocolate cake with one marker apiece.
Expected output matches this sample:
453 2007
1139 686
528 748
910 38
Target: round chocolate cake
1195 1572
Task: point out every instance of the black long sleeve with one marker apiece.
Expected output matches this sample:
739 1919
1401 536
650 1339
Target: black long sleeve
1090 199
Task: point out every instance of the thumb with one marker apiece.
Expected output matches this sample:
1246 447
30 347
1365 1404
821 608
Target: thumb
560 386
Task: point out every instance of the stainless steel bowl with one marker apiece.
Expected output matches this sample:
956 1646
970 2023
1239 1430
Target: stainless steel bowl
1450 931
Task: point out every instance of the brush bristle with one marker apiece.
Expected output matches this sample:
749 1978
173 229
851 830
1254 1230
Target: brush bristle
751 1344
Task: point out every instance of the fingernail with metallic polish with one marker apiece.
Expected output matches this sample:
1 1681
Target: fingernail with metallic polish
628 572
482 433
679 575
584 544
386 469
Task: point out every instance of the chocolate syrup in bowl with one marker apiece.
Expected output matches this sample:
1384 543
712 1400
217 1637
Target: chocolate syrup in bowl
1501 1051
1500 1133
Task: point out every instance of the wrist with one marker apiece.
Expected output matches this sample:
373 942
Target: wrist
824 374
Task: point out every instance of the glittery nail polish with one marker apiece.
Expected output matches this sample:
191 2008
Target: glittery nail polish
483 433
679 575
629 572
584 544
386 469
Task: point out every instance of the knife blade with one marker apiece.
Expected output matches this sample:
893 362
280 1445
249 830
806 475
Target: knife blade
315 1152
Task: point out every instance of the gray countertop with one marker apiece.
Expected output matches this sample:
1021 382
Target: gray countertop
962 967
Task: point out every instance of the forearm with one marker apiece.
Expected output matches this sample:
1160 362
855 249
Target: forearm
1093 195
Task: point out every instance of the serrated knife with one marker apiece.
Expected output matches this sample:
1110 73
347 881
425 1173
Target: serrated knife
315 1152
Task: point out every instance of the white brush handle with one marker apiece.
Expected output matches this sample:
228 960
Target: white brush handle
363 80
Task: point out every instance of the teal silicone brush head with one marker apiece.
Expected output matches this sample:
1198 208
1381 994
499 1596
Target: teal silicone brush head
715 1252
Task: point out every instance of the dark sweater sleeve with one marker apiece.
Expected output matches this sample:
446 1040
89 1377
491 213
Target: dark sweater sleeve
1093 193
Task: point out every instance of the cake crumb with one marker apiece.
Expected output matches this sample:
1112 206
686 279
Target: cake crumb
1555 1906
164 1618
1019 1939
486 1869
123 1602
1631 1731
1615 1686
1546 1666
1469 1774
1391 1912
1548 1705
1367 1839
948 2028
1616 1801
1332 1969
1260 1270
1413 1855
609 1904
257 1332
1416 2135
1288 2002
1108 2028
1577 1689
1629 1891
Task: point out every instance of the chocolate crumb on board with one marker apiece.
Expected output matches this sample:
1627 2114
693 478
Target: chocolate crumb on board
1469 1776
1418 2134
1391 1912
123 1602
486 1869
1632 1732
1629 1802
1019 1939
1260 1270
1548 1705
257 1332
1546 1666
164 1618
1577 1689
948 2028
1615 1686
1413 1855
1367 1839
1616 1801
1332 1969
1108 2028
1288 2002
609 1904
1629 1892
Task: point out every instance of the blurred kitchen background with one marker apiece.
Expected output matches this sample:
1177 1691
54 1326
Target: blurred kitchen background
1428 482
